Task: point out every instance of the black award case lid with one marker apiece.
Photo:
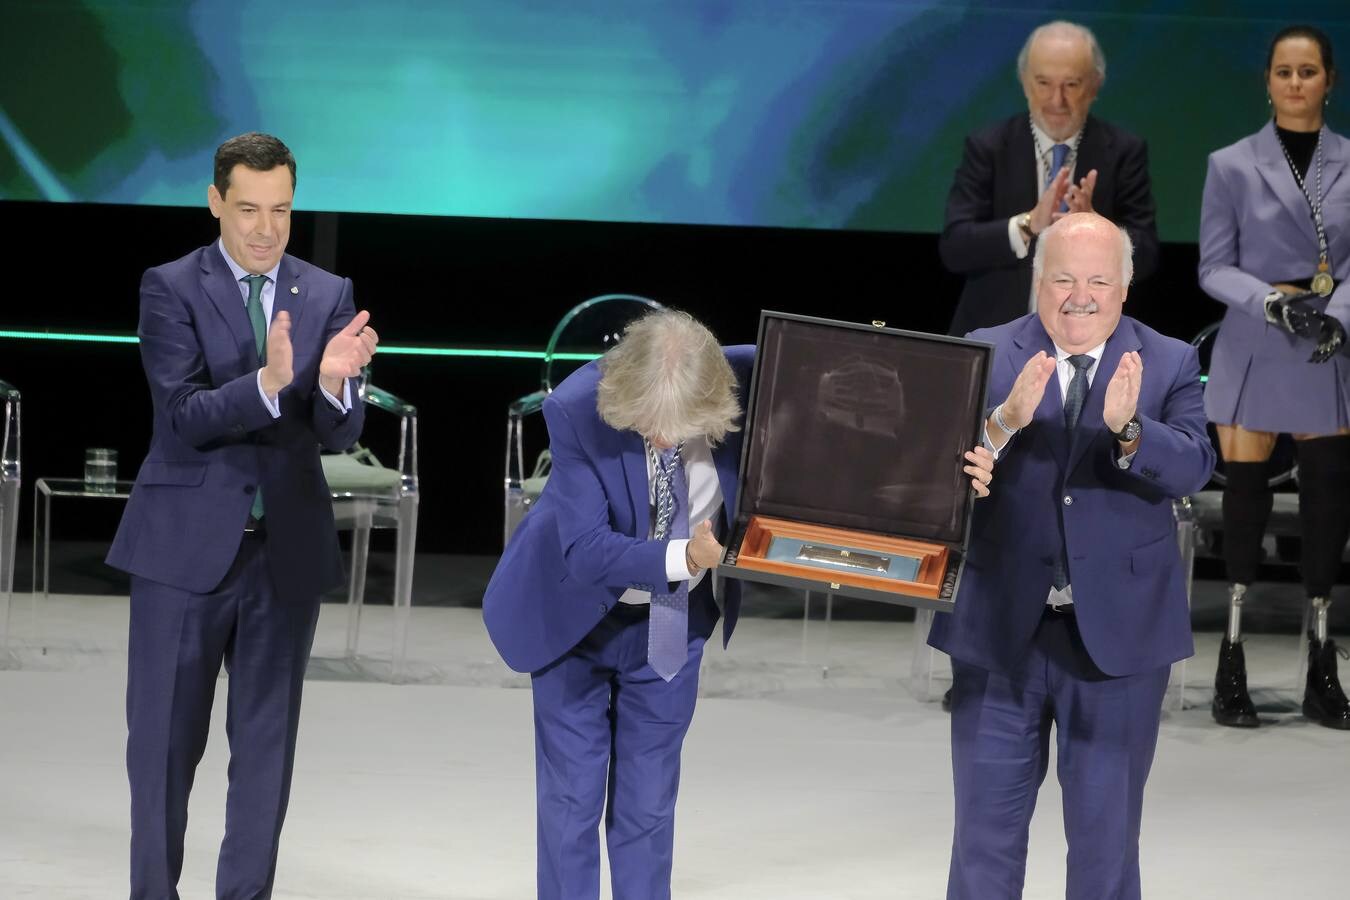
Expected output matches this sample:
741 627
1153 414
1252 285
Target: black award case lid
862 427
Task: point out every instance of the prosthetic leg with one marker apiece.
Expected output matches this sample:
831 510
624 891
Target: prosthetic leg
1324 513
1247 502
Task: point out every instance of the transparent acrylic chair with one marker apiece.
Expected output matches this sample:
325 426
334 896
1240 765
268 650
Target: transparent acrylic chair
9 503
586 331
369 495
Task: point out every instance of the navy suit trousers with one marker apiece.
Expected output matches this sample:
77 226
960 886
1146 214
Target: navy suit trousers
1106 729
608 733
178 642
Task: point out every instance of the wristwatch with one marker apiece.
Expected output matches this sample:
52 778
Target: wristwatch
1131 431
1024 225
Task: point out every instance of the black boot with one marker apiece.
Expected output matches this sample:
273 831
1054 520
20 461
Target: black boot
1324 702
1232 704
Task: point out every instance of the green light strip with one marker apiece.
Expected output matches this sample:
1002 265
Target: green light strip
384 350
71 336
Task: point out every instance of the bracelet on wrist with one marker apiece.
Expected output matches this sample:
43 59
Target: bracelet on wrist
1003 425
693 567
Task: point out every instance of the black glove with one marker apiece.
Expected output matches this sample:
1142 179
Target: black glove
1330 338
1288 311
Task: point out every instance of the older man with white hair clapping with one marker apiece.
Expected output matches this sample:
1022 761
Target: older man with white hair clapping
1072 606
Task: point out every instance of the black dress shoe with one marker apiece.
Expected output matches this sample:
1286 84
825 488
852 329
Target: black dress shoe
1232 704
1323 701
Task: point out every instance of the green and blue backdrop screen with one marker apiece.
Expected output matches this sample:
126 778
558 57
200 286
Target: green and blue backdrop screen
792 113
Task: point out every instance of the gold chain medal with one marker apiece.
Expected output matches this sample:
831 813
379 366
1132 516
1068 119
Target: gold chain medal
1322 282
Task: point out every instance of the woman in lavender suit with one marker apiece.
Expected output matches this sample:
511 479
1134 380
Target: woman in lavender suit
1275 247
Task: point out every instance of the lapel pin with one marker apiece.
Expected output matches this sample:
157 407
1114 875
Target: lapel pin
294 289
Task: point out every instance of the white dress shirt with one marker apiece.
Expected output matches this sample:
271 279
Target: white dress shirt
268 295
1045 148
1064 374
705 501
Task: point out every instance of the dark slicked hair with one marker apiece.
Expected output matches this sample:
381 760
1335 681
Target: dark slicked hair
1316 35
255 150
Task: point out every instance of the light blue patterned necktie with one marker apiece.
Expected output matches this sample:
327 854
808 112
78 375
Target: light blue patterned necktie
1058 154
668 626
1073 408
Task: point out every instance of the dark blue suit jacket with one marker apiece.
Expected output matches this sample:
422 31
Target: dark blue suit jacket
1128 585
214 442
996 181
585 542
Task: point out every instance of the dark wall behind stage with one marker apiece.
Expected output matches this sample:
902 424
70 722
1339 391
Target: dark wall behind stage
444 281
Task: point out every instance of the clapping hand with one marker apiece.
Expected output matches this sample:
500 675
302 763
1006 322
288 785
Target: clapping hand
347 353
1027 391
1122 392
1046 210
280 368
1078 196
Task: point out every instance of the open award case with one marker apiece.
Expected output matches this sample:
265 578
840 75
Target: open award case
851 478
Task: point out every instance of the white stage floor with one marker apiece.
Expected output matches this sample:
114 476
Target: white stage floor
795 785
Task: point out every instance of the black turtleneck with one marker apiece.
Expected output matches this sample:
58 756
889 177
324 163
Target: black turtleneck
1299 145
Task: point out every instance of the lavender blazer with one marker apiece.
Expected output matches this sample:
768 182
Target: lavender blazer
1256 230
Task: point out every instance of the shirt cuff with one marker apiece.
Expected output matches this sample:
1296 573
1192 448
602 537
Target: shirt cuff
345 404
271 405
676 570
1015 239
989 444
1124 461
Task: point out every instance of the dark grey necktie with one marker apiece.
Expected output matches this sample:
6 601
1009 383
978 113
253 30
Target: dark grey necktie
1078 388
1073 408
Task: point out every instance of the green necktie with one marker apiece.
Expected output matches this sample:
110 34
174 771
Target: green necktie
256 315
259 320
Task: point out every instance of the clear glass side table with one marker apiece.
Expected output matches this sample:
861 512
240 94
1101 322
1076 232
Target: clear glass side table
44 489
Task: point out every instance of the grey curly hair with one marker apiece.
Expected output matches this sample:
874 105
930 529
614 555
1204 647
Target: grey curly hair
668 379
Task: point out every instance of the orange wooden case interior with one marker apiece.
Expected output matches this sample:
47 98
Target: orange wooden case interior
761 530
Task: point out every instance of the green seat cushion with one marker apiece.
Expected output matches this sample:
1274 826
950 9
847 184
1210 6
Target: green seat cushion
346 474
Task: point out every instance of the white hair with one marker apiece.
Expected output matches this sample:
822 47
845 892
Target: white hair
1080 220
668 379
1065 29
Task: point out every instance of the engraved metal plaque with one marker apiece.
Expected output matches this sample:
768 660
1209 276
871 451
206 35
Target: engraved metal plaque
852 559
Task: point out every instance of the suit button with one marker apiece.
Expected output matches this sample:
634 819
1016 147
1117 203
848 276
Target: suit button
248 489
1068 500
604 607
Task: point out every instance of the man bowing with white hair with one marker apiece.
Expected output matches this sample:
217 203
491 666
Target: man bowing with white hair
603 595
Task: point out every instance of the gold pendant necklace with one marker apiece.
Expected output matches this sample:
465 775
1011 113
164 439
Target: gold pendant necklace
1322 283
